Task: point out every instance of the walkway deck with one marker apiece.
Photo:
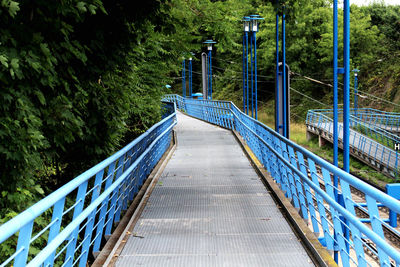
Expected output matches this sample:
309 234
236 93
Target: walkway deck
209 208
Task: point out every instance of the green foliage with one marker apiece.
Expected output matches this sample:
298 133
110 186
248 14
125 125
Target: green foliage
79 79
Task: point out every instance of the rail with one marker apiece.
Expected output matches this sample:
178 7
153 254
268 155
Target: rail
363 143
388 121
71 222
330 208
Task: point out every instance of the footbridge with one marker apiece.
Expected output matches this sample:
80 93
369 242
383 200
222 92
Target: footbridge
207 186
373 135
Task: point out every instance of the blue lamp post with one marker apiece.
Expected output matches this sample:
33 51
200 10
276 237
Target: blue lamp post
281 89
345 70
254 23
246 29
356 71
190 77
209 44
277 100
183 79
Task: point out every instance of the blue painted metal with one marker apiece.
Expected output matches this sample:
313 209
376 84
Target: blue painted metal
255 75
335 91
246 29
381 152
209 44
209 75
277 108
183 79
247 72
356 71
251 75
366 127
254 23
190 77
346 86
393 190
335 108
100 193
295 170
244 74
285 109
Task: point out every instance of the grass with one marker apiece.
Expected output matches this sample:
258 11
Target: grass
298 135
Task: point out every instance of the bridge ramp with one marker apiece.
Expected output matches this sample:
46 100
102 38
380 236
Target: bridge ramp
209 208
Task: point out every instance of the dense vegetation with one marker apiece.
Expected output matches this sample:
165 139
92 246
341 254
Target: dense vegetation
81 78
78 80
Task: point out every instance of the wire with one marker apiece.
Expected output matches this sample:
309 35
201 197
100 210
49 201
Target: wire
232 78
351 92
373 96
315 100
229 61
258 75
311 79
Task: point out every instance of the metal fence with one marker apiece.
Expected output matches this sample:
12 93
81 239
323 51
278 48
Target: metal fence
307 180
72 221
365 139
388 121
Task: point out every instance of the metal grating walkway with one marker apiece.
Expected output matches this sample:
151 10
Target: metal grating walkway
209 208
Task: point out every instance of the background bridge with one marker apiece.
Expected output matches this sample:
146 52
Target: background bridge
373 135
222 210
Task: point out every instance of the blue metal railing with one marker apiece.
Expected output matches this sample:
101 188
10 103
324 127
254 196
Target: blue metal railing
388 121
307 180
366 127
99 196
361 138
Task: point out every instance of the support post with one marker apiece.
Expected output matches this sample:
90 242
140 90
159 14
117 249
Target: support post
346 87
335 106
244 75
190 78
209 75
183 79
204 69
247 72
277 100
255 75
251 75
285 128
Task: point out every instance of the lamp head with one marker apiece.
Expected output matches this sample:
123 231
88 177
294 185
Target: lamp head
246 24
209 44
356 71
254 22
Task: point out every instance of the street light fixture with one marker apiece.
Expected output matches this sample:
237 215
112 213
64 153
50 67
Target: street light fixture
255 22
209 44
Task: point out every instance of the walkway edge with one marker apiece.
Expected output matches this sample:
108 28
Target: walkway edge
111 250
316 251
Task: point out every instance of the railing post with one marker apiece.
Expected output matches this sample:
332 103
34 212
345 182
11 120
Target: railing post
24 239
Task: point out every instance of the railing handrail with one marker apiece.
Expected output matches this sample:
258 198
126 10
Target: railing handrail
50 248
370 189
370 139
355 118
15 224
357 183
